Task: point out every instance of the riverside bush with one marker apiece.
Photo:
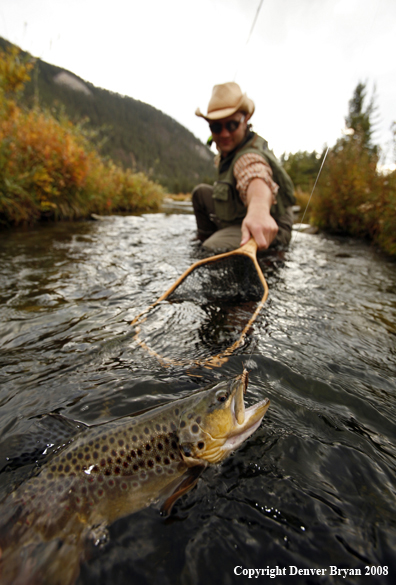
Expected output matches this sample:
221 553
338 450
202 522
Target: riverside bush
50 169
353 197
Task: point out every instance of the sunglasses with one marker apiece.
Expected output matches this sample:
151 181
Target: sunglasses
231 126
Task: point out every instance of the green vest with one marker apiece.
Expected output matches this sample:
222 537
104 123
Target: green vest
228 205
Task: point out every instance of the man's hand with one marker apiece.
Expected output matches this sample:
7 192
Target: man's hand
259 223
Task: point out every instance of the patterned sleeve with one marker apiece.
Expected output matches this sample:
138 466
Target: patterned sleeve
252 166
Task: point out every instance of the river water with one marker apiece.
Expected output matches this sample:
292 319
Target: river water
314 487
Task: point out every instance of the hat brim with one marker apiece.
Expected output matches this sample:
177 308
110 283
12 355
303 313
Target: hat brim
217 114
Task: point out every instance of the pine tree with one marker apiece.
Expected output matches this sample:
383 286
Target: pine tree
360 118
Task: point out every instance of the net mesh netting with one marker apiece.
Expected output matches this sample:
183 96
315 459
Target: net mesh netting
206 313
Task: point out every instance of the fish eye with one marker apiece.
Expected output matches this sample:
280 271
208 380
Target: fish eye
222 396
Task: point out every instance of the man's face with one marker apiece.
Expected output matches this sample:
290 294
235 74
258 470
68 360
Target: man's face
225 139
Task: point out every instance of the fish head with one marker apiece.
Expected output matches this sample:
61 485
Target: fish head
215 421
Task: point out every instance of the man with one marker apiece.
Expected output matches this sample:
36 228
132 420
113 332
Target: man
253 195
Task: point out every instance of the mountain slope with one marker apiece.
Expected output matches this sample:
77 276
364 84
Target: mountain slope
136 134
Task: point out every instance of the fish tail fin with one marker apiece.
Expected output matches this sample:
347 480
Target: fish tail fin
47 563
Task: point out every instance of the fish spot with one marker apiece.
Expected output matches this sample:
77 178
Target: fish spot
164 428
147 431
114 452
109 460
69 456
107 472
194 428
160 446
166 461
84 490
53 468
166 441
95 469
117 470
100 493
87 457
190 415
86 449
103 437
148 447
173 426
135 467
67 468
172 456
198 419
105 448
143 475
182 424
133 454
158 470
150 463
174 445
158 459
111 482
201 445
122 452
139 452
119 460
121 443
97 446
157 426
134 438
90 443
78 467
112 440
74 461
142 463
129 458
80 455
125 464
176 411
100 478
95 455
102 462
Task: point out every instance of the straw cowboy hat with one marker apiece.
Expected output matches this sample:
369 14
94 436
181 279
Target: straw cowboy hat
227 99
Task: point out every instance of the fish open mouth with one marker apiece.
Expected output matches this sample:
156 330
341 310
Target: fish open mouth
242 430
246 420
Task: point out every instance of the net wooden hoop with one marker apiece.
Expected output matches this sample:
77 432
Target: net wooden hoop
250 250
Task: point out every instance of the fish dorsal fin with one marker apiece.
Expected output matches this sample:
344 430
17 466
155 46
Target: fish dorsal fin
184 485
46 434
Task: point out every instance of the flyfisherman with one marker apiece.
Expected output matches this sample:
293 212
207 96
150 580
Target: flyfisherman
253 195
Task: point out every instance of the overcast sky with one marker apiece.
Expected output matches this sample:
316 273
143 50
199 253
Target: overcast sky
300 66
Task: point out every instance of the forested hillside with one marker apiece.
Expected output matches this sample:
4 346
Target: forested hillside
134 134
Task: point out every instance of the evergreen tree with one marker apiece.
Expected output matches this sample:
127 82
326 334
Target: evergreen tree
360 117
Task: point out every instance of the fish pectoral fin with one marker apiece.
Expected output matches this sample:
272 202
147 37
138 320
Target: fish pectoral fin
185 484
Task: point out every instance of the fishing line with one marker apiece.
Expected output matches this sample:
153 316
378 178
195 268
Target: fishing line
250 34
313 189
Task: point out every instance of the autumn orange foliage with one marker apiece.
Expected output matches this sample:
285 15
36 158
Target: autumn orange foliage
49 168
353 197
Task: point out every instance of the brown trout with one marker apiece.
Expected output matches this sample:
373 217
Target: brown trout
112 470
